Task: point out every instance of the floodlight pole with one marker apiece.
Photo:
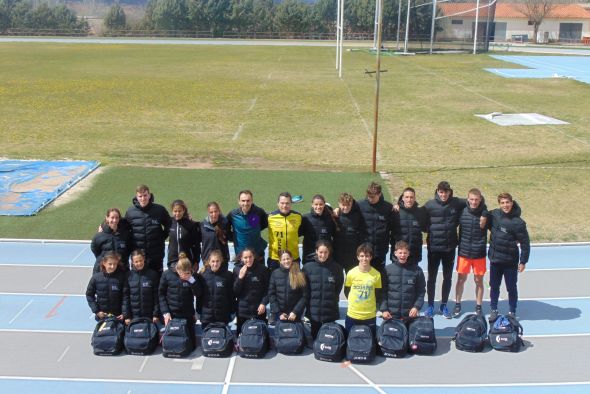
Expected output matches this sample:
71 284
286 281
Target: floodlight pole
475 27
377 81
341 38
407 28
433 25
377 25
399 21
337 33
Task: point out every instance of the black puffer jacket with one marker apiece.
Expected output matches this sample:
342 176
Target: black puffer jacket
315 227
218 296
251 291
378 218
507 232
149 228
283 298
112 241
408 226
143 293
444 219
185 237
404 288
472 239
215 236
324 283
177 296
108 293
350 233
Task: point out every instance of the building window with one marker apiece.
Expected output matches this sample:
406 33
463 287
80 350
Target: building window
457 21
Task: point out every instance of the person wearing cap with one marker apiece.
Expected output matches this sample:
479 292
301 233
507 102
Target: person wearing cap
444 211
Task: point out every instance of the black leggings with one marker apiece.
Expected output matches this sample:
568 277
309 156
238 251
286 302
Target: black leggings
448 262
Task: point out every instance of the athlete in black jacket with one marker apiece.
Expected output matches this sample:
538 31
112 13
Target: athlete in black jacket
107 290
250 288
409 223
315 225
143 290
114 236
185 235
218 299
287 289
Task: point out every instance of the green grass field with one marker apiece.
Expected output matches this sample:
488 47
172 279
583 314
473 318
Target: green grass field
283 108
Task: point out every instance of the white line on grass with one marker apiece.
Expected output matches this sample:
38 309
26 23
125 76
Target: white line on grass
253 104
269 76
363 121
238 132
228 374
53 280
67 349
145 360
20 312
363 377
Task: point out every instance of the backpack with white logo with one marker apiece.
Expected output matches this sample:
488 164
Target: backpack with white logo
176 341
471 333
360 346
330 343
217 340
107 338
392 338
289 337
506 334
421 336
254 339
141 337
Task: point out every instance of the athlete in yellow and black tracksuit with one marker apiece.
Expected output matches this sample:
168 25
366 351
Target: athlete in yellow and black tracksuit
283 233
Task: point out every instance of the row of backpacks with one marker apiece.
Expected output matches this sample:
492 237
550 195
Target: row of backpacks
392 339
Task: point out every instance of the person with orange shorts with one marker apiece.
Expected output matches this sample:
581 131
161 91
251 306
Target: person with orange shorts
472 249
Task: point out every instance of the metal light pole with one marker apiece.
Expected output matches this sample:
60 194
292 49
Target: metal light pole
433 25
399 21
407 29
377 80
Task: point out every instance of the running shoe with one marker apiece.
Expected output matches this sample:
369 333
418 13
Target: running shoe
493 315
429 311
457 310
445 311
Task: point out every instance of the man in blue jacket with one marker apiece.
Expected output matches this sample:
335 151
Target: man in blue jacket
247 222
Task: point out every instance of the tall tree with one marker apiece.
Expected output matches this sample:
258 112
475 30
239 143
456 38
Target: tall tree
536 11
116 18
292 16
170 15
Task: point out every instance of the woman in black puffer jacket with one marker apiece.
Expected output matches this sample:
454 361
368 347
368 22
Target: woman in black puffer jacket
143 289
107 291
287 289
250 288
215 233
185 235
218 298
114 236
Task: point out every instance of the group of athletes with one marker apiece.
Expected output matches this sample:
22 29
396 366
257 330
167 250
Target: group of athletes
343 247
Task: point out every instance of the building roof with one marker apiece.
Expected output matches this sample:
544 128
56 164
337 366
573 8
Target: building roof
512 11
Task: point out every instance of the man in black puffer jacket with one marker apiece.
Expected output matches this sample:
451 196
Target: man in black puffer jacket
443 213
508 231
409 223
378 215
351 232
150 225
472 249
404 286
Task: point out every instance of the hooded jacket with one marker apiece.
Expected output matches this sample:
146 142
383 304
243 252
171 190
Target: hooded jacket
404 288
283 298
472 239
211 240
143 293
177 296
444 219
150 226
185 237
324 284
108 293
408 226
108 240
218 296
315 227
507 232
378 219
350 233
252 290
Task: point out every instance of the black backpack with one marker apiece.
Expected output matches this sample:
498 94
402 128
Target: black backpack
471 333
330 343
360 346
506 334
392 338
254 340
217 340
421 336
176 341
141 337
107 338
289 337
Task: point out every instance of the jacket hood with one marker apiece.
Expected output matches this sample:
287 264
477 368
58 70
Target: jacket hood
136 203
106 229
395 261
381 199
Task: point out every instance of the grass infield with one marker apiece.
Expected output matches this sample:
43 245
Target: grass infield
283 108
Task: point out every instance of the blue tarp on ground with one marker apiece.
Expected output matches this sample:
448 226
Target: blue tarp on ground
573 67
26 186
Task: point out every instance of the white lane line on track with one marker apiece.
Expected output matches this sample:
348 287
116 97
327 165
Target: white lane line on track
20 312
51 378
66 350
228 374
35 265
45 331
43 294
78 255
369 381
531 384
145 360
53 280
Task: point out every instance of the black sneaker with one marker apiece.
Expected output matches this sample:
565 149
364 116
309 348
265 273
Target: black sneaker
457 310
512 314
493 315
478 310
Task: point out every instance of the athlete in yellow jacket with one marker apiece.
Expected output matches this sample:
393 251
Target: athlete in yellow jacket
283 231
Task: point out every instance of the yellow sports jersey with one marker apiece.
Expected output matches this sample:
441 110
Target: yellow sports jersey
283 233
362 304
